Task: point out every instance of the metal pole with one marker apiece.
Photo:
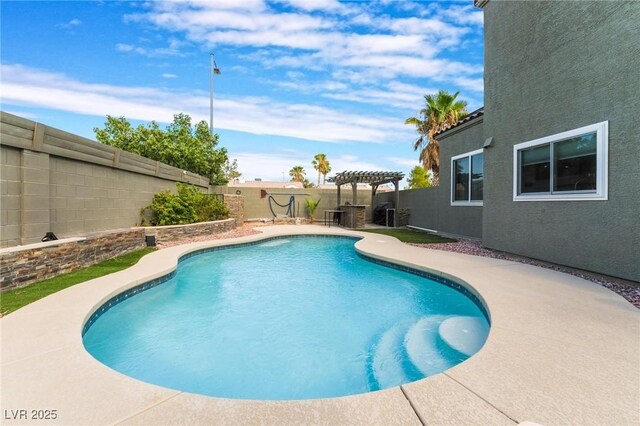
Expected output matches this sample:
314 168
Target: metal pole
211 97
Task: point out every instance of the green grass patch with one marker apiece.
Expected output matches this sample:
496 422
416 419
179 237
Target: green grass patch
12 300
410 236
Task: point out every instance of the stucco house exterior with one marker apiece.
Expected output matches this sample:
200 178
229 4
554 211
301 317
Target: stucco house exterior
549 168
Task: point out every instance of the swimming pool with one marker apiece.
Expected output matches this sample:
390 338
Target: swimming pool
287 318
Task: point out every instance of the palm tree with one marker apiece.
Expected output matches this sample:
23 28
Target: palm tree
321 164
297 174
440 112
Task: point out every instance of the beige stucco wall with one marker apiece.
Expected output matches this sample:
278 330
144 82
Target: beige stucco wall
256 207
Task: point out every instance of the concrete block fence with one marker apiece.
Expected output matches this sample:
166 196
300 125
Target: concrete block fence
56 181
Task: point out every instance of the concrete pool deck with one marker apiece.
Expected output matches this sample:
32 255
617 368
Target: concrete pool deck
561 350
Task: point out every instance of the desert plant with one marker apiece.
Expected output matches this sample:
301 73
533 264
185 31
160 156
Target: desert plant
312 205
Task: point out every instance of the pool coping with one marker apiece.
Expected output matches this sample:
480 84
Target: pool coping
560 350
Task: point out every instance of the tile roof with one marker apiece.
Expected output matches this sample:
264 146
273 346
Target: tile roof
471 116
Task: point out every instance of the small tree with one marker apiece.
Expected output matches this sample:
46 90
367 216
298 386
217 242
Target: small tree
312 205
230 170
180 145
419 178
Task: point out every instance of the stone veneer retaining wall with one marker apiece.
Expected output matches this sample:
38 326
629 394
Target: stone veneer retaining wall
353 217
22 266
404 215
174 232
235 204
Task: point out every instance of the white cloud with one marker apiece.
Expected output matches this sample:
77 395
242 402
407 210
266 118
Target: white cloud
271 166
123 47
71 24
464 15
394 94
405 162
318 5
169 75
392 46
171 50
353 163
254 165
25 86
474 84
307 87
23 114
408 97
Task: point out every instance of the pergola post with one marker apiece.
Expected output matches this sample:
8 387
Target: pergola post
338 206
374 188
354 187
396 184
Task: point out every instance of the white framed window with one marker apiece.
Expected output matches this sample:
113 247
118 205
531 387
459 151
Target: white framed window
467 179
568 166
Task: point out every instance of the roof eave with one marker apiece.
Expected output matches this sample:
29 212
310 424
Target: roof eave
471 117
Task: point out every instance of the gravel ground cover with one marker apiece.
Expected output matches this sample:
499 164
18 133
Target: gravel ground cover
626 289
240 231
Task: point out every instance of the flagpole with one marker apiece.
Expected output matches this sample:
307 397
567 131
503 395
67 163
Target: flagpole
211 96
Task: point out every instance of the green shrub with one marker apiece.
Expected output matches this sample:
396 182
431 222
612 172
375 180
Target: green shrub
189 205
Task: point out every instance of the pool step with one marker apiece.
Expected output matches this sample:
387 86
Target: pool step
387 362
422 347
464 334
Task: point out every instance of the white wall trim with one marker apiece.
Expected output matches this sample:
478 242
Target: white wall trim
602 165
458 203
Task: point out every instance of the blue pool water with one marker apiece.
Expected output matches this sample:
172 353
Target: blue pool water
289 318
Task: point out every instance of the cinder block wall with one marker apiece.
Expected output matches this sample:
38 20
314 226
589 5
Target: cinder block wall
56 181
10 191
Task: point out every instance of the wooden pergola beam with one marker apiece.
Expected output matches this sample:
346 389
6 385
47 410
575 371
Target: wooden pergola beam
373 178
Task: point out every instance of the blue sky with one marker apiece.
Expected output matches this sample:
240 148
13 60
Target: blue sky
299 77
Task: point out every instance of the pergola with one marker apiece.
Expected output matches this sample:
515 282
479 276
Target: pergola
375 179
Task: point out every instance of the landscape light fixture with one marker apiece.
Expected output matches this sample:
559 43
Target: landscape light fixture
214 70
